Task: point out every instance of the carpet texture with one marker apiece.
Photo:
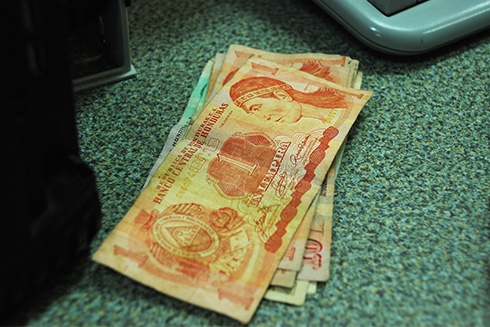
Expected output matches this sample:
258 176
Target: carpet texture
411 229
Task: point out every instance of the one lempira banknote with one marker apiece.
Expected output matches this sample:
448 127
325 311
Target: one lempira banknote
291 263
286 273
217 216
317 258
292 260
347 74
316 266
334 68
338 69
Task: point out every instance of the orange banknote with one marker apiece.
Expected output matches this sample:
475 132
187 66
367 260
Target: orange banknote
334 68
316 259
219 213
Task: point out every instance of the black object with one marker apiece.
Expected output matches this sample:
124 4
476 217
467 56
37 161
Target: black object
98 42
50 209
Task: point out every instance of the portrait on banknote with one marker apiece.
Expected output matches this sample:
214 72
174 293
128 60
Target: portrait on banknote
274 100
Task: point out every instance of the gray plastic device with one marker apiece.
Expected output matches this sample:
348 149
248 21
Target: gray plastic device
421 28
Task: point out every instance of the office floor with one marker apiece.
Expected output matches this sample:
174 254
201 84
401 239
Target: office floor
411 233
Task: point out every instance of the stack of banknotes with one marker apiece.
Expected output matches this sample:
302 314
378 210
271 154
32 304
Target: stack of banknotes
238 206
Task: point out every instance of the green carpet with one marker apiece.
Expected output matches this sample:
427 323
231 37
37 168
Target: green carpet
411 233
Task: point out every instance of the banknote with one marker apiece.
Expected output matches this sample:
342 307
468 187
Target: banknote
217 216
284 278
339 69
292 260
295 295
334 68
312 287
196 101
320 237
218 65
